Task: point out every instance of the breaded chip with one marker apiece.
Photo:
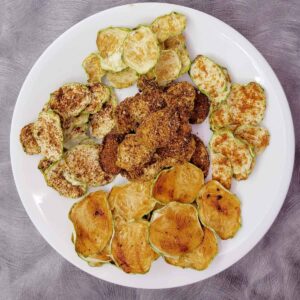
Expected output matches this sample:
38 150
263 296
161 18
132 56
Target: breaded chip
200 157
201 108
109 153
28 141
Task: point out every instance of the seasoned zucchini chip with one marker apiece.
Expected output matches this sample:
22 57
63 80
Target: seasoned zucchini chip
223 96
93 225
175 229
168 25
219 209
209 78
177 43
257 137
132 200
110 45
181 183
102 122
58 176
200 258
220 117
75 136
100 94
200 157
122 79
141 50
247 103
28 141
83 162
239 153
92 67
201 108
48 134
168 67
77 121
44 164
221 169
70 100
130 248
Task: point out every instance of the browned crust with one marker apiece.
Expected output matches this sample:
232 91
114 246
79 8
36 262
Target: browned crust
201 108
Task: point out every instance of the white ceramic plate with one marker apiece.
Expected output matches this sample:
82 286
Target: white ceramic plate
261 195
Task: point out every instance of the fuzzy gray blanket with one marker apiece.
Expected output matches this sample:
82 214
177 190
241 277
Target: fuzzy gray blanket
31 269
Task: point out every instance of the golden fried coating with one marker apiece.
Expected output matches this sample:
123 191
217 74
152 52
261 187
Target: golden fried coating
144 82
28 141
133 153
200 157
108 155
201 108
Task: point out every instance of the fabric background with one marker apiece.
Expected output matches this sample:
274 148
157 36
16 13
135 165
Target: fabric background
31 269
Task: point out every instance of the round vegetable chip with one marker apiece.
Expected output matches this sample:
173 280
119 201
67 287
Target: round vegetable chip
132 200
141 50
175 229
92 67
219 209
83 162
130 248
247 103
28 141
181 183
199 258
93 224
168 25
70 100
122 79
168 67
221 169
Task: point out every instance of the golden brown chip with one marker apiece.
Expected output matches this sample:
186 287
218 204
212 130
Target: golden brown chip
131 201
109 153
200 258
201 108
181 183
44 164
100 94
83 162
175 229
130 248
28 141
219 209
93 224
133 153
221 169
200 156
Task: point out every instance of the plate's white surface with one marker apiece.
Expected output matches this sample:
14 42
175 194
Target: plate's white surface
261 195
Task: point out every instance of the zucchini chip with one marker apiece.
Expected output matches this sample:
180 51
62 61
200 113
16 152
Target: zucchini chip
200 258
122 79
201 108
219 209
130 248
141 50
93 224
59 177
44 164
238 152
75 136
175 229
83 162
168 67
247 103
177 43
28 141
168 25
100 94
70 100
200 157
210 78
99 259
131 201
110 45
92 67
181 183
49 135
102 122
221 169
257 137
220 117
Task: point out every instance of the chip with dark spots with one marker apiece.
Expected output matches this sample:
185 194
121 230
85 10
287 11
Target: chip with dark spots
201 108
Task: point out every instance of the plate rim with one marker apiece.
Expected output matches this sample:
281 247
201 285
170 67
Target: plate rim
270 217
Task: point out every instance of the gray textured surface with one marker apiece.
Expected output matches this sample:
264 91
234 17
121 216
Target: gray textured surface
31 269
